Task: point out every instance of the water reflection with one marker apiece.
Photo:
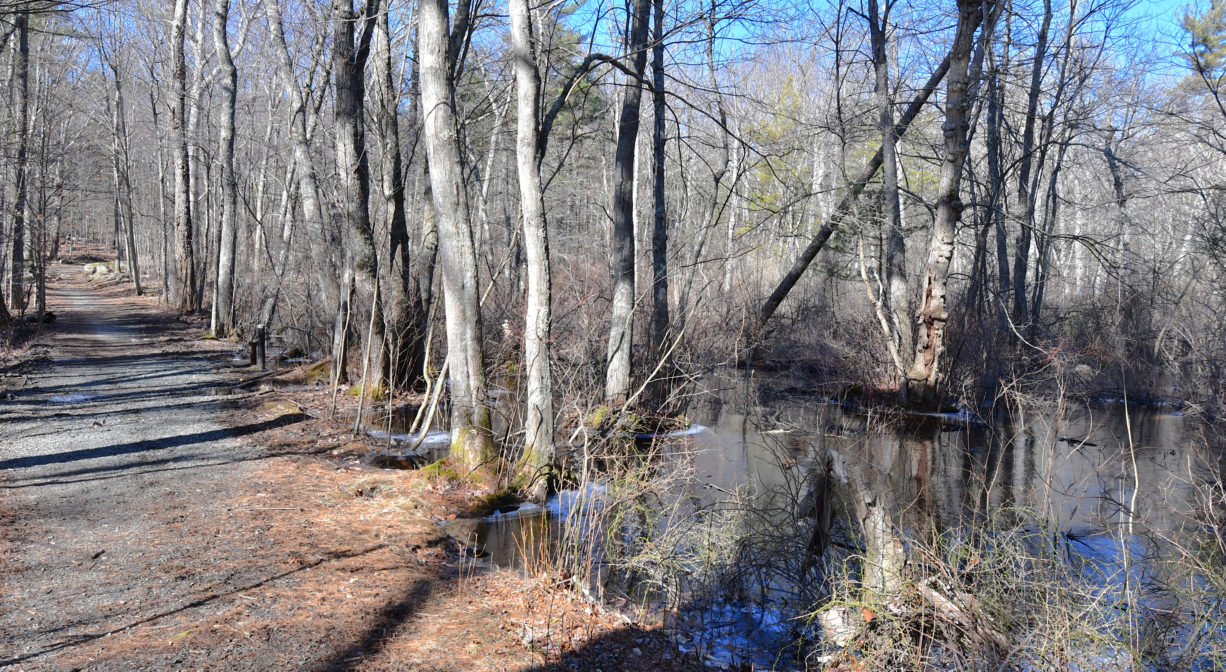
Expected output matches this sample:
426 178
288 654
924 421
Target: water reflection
774 480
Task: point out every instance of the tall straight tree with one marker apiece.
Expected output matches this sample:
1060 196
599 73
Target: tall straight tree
183 290
895 295
925 374
223 291
406 315
349 67
621 315
659 237
471 438
121 168
21 95
538 423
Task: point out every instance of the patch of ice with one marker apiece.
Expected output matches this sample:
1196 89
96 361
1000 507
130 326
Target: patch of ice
521 511
75 398
566 502
961 415
435 438
688 431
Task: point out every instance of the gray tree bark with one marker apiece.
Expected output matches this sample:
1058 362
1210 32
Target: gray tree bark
223 291
925 374
471 439
538 422
406 317
348 68
896 297
621 313
21 95
183 289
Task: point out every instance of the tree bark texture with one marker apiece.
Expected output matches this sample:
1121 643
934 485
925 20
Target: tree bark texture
223 291
406 318
538 419
183 289
348 71
471 440
925 374
659 238
21 94
896 296
621 314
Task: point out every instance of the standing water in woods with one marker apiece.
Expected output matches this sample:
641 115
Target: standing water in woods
587 242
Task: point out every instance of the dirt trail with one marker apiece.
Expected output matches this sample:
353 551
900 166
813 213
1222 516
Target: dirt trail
113 462
151 521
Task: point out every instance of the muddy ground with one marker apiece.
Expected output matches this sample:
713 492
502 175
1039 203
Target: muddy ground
156 515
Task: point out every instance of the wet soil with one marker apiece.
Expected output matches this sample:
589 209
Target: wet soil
154 515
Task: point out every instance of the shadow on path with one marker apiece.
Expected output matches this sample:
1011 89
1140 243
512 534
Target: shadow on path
394 614
199 602
149 444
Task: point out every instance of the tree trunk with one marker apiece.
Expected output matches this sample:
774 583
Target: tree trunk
21 94
471 439
925 374
538 419
996 182
406 318
183 289
161 187
1051 211
1026 199
223 291
348 68
895 297
659 237
621 314
121 168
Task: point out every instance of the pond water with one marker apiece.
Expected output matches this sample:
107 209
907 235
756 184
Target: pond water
786 476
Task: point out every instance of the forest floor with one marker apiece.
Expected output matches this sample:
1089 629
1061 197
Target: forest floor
154 515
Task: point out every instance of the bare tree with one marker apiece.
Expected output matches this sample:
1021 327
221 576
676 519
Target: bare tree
21 94
348 67
471 441
621 314
223 292
659 237
538 422
183 290
304 165
925 374
406 315
895 298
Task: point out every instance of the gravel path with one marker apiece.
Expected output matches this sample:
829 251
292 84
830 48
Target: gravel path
149 523
117 436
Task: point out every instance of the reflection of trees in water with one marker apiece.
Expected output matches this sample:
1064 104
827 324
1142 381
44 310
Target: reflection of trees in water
787 502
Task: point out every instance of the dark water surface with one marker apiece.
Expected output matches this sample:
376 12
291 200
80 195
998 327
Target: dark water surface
1072 469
